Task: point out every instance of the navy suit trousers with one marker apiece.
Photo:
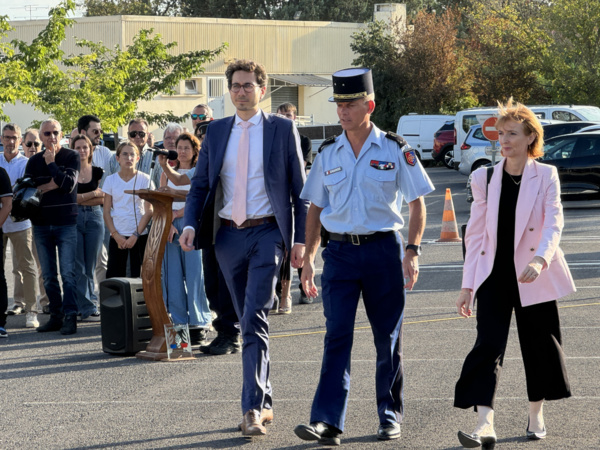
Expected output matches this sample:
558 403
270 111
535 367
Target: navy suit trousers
375 270
249 259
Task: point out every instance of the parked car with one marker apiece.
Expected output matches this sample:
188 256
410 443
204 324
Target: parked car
466 118
443 144
577 159
418 131
476 150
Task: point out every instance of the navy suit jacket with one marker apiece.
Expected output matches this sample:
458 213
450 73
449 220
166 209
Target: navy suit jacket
284 179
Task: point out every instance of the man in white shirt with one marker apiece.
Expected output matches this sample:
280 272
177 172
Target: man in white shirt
248 176
19 233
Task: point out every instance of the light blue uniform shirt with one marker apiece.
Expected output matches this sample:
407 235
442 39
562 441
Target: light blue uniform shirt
364 195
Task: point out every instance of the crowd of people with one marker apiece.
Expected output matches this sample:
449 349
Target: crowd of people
251 215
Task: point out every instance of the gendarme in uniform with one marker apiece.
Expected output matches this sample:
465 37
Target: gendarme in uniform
356 193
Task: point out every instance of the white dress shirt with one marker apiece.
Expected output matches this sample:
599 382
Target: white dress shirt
257 202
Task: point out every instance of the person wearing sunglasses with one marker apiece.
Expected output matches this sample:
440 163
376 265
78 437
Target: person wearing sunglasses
31 142
137 133
19 233
201 113
91 126
55 172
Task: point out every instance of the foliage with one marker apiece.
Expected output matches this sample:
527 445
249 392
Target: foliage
106 82
14 77
573 60
420 71
131 7
325 10
505 46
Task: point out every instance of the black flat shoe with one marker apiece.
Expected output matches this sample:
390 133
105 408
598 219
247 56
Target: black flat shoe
318 431
534 435
474 440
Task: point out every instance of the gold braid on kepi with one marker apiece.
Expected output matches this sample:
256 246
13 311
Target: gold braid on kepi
352 84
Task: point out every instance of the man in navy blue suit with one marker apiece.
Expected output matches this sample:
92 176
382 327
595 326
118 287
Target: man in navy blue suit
245 195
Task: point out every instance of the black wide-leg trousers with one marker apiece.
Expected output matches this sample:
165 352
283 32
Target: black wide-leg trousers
538 327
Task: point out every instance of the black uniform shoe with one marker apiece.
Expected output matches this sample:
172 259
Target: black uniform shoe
318 431
215 341
388 431
54 324
228 344
70 325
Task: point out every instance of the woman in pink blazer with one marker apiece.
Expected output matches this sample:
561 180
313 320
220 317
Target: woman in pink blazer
513 261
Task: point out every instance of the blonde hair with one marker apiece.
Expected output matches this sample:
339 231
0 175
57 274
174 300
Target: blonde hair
531 125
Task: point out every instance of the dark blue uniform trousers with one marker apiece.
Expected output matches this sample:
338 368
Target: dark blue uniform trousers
375 270
249 259
219 298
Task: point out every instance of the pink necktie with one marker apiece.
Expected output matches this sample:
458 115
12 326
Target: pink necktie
238 209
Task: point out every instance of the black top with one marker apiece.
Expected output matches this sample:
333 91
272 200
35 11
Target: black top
505 244
306 145
58 206
91 185
5 187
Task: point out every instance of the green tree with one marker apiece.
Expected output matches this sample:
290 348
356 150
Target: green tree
420 71
131 7
505 47
572 63
107 82
325 10
15 79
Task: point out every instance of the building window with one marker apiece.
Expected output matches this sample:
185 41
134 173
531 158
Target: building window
191 87
216 87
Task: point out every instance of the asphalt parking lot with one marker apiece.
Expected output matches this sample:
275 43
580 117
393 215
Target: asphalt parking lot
58 392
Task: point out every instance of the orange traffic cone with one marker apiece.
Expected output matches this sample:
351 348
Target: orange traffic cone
449 227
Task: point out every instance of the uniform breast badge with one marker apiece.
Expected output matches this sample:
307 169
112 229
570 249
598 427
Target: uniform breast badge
382 165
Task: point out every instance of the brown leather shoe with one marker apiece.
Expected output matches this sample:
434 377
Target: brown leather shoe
252 425
266 418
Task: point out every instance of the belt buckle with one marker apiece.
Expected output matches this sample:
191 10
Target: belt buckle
355 239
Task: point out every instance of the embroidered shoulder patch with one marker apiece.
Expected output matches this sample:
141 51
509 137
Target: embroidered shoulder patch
410 157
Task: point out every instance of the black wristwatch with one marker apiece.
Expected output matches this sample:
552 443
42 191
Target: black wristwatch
414 248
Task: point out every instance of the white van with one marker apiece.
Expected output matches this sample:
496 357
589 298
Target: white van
418 130
473 116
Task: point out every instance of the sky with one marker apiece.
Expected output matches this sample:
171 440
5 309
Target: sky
22 9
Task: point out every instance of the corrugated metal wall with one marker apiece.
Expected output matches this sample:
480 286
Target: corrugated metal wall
107 30
282 46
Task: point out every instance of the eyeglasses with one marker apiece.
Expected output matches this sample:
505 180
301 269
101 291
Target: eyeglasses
248 87
30 143
199 116
97 131
10 138
134 134
50 133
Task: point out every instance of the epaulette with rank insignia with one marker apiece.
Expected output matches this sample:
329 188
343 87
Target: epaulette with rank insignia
326 142
394 137
410 156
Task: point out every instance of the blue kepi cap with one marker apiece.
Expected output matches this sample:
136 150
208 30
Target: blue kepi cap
351 84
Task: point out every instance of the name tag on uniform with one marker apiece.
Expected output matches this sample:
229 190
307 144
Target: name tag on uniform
337 169
382 165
